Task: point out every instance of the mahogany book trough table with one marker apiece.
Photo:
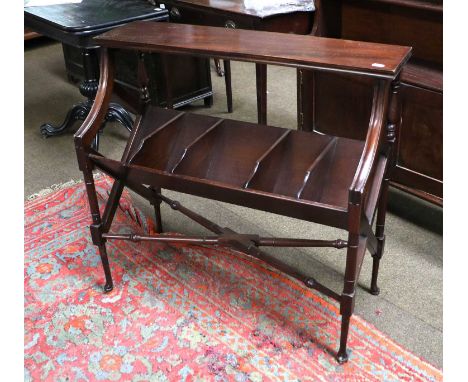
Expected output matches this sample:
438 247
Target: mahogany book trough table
330 180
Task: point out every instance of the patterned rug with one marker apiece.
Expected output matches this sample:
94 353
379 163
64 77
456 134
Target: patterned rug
178 312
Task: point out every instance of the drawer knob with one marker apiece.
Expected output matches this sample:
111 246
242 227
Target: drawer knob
175 13
230 24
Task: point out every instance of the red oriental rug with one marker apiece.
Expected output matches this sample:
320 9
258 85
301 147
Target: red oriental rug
178 312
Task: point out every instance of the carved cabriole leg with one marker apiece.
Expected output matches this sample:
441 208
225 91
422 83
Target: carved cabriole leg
76 113
116 113
394 113
88 89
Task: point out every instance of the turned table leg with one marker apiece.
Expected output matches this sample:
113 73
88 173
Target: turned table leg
219 69
77 113
394 118
347 299
96 227
261 74
380 227
156 203
227 80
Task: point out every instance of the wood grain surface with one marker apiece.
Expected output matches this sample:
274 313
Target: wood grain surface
256 46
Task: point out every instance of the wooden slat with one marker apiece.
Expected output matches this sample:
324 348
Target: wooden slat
312 211
314 165
264 155
262 47
163 126
194 142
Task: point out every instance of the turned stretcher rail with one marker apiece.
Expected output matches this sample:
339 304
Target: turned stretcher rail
227 238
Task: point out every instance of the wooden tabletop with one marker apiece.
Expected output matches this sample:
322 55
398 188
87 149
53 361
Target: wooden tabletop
92 15
263 47
254 7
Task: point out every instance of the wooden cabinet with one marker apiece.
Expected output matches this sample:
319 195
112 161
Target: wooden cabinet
419 160
189 77
416 23
190 14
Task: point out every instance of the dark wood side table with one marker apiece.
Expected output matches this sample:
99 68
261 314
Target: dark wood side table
295 16
76 24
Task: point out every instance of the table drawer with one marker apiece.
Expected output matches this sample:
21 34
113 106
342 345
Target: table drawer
210 17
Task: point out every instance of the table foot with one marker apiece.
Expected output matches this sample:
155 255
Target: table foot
117 113
77 112
208 101
374 290
342 357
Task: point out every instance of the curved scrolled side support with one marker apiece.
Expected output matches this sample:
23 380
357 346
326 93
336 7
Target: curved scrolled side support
93 122
374 140
83 139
